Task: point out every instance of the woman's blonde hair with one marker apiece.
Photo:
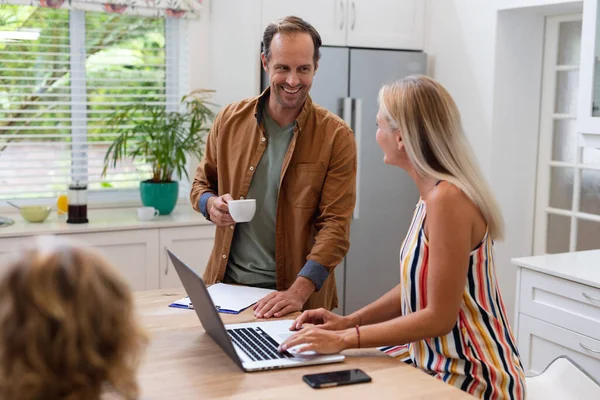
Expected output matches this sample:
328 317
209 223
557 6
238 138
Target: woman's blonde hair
67 326
428 119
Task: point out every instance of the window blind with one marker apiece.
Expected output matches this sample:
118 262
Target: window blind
62 76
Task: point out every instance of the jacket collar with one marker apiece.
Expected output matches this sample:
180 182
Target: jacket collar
262 101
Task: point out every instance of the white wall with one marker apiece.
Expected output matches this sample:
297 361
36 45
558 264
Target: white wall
199 47
460 44
216 60
199 35
488 55
515 127
232 72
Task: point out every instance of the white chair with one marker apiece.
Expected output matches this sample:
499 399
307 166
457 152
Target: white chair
563 379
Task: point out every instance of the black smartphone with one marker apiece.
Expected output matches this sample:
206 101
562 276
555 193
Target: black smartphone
336 378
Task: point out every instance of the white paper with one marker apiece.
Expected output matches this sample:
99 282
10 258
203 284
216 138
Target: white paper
231 297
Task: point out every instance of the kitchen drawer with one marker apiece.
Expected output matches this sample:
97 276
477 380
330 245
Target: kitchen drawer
562 302
540 342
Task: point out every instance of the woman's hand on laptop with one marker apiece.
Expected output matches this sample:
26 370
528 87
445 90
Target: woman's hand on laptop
319 340
325 319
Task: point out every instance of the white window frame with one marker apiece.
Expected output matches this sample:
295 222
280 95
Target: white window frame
177 85
545 162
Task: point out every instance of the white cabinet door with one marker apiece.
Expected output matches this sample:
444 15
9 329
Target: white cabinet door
134 253
540 343
397 24
327 16
192 244
8 246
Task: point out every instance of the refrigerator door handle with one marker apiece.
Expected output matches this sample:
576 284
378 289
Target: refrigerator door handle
357 127
342 15
346 113
353 16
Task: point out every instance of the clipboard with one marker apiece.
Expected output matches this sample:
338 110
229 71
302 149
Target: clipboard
228 299
187 304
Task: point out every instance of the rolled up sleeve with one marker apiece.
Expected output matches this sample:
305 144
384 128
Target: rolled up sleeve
203 204
205 180
314 272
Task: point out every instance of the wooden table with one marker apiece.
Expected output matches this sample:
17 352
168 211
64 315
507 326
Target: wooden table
183 362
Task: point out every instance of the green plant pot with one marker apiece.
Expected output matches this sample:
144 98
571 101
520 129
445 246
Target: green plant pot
162 196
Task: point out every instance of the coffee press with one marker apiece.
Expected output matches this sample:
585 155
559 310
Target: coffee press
77 204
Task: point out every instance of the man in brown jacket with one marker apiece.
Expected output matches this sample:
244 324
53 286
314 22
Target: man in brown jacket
298 161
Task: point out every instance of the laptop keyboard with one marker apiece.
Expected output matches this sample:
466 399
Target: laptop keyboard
257 344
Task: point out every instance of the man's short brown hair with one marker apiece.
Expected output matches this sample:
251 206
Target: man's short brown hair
290 25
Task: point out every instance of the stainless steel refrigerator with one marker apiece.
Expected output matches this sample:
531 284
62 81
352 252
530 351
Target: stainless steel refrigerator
348 82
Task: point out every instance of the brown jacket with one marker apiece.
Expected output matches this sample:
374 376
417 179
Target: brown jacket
317 189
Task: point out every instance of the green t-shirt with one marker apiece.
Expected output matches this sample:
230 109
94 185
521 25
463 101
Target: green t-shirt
252 253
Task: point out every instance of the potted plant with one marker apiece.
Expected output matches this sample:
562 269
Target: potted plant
162 138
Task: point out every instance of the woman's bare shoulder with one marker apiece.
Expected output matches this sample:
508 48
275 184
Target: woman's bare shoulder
447 197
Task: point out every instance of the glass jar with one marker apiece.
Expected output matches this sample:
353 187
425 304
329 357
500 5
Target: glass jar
77 204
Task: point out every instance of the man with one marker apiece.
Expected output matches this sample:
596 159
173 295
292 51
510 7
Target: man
298 161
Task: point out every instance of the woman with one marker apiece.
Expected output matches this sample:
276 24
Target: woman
68 326
447 308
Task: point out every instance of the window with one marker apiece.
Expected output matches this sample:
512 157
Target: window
62 74
568 183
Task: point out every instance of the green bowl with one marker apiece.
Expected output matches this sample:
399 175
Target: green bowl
35 213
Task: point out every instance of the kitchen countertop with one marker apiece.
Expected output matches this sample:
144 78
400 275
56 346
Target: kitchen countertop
102 220
578 266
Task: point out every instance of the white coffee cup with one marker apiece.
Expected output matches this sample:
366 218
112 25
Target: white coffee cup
147 213
242 210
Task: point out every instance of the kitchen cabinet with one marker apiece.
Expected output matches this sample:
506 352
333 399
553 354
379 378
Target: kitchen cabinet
192 245
387 24
7 247
132 252
135 248
558 310
588 116
327 16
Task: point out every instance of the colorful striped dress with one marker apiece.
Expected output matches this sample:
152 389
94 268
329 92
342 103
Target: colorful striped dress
479 355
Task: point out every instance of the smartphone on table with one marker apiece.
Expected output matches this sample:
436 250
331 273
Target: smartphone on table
336 378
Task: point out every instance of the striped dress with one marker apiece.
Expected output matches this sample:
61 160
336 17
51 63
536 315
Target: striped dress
479 355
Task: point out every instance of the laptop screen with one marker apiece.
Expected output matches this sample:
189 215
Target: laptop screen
204 307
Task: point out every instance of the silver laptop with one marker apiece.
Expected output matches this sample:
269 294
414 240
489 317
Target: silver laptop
252 346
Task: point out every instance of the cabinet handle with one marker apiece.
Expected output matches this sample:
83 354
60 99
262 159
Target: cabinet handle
353 16
590 298
342 14
168 261
588 349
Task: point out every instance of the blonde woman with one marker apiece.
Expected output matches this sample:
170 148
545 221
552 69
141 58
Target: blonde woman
68 326
447 309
